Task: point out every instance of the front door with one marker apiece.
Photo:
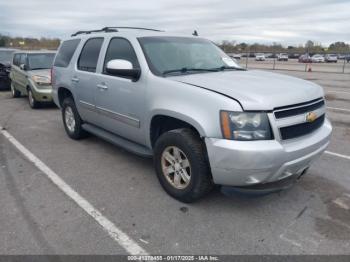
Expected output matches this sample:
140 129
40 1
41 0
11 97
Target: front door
120 101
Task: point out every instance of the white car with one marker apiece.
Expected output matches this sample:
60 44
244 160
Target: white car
236 56
331 58
317 59
282 57
260 57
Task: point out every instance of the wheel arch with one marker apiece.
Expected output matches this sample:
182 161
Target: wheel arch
165 121
62 93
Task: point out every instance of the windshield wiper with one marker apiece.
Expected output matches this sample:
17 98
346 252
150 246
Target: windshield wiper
223 68
185 70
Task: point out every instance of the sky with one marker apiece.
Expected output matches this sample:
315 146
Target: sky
289 22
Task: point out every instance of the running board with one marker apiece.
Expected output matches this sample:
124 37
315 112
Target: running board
118 141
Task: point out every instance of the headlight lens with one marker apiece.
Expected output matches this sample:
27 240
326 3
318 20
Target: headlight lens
41 80
245 126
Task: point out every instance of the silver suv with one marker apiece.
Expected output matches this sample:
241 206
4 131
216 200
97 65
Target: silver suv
183 101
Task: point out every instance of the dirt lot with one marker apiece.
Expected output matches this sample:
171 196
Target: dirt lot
313 217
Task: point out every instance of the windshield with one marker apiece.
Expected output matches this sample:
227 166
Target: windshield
40 61
184 55
6 56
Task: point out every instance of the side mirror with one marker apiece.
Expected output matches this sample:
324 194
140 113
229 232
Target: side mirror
23 67
123 68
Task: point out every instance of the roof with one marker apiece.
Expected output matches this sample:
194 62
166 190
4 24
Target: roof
126 32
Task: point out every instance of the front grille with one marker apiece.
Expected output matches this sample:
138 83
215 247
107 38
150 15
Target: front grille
302 129
299 110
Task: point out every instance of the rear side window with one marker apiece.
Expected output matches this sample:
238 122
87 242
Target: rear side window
66 52
89 55
120 48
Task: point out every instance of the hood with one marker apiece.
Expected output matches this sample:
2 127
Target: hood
255 90
40 72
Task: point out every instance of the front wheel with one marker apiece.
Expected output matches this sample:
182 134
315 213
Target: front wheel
71 119
181 165
31 99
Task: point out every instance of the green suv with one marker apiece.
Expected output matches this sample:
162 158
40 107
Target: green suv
30 75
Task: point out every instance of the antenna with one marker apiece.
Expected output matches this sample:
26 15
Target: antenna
195 33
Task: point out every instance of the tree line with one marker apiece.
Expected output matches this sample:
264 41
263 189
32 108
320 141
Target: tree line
29 43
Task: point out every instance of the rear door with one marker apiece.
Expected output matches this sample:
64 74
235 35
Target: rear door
85 79
14 70
21 75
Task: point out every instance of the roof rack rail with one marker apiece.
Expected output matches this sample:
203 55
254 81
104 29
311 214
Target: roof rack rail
106 30
130 27
114 29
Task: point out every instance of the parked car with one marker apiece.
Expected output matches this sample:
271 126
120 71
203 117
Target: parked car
347 58
282 57
294 55
184 102
30 75
236 56
305 59
5 67
317 58
331 58
260 57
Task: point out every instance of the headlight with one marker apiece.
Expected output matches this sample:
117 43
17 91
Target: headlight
41 80
245 126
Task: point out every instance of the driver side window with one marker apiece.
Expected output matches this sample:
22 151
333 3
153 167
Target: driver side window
120 48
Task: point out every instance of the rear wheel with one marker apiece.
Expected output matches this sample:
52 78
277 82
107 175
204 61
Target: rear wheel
71 119
14 92
181 165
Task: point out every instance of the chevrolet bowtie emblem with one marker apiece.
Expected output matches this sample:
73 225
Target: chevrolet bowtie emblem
311 117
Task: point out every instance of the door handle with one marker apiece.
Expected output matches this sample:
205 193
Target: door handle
102 86
75 79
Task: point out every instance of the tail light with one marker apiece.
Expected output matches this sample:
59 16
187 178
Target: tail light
51 74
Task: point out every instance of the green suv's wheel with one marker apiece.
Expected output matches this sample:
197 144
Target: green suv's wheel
71 119
15 93
31 99
181 165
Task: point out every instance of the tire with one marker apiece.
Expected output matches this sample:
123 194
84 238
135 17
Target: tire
31 100
73 129
191 148
14 92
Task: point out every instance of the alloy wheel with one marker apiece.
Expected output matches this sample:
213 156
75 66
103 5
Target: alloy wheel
176 167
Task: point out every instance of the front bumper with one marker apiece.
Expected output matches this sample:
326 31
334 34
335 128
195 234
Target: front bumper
42 94
244 163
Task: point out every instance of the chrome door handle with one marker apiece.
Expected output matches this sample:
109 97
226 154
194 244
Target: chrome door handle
75 79
102 87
